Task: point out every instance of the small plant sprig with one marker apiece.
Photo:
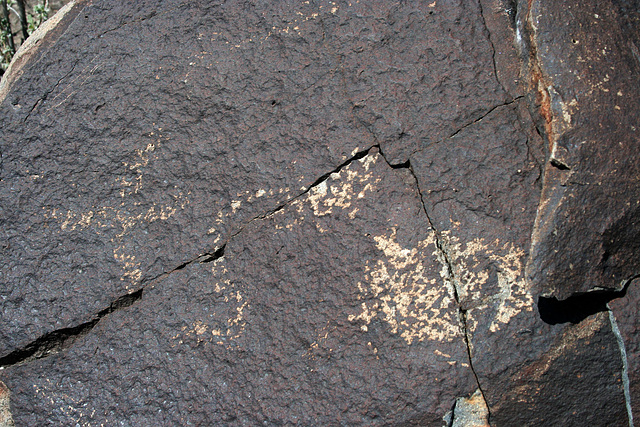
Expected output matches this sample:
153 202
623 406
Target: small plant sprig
16 23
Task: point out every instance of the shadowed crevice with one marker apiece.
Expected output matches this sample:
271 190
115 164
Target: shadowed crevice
578 307
559 165
56 341
445 260
202 259
404 165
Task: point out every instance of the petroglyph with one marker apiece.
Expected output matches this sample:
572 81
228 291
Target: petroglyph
405 293
475 261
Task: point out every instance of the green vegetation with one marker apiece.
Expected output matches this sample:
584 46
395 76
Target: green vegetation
17 20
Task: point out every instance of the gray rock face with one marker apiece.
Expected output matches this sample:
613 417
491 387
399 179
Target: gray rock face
322 213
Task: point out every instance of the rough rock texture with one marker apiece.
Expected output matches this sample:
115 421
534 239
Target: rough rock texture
179 146
626 325
279 329
585 64
322 213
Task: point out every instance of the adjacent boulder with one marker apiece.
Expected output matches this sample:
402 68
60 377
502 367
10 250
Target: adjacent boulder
584 65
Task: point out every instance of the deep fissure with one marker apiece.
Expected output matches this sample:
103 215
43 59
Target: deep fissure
559 165
201 259
56 341
578 307
452 413
462 313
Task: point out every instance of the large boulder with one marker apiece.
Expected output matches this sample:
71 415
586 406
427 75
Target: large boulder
322 213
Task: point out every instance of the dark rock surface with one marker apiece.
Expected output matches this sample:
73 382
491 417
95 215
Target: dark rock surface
585 65
322 213
178 147
280 329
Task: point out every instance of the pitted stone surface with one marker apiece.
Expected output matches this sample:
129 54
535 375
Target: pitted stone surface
322 213
150 132
483 187
584 83
280 329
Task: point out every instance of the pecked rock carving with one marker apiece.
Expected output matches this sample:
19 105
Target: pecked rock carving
322 213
